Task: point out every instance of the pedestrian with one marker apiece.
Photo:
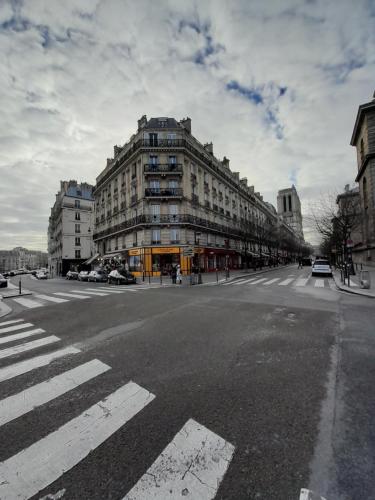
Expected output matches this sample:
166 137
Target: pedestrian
179 275
300 263
173 274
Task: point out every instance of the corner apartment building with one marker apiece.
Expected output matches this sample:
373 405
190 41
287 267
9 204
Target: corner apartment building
70 228
289 209
164 194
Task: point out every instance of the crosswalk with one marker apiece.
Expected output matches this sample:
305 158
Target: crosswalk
42 299
193 464
289 281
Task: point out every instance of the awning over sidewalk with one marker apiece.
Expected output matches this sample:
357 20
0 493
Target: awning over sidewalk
91 259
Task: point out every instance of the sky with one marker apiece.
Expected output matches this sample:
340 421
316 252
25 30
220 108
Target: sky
275 85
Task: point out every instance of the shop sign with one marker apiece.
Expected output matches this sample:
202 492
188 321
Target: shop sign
135 251
188 252
166 250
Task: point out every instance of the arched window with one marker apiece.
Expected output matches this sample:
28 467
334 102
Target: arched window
364 188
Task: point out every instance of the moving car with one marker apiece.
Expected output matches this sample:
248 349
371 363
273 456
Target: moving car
3 281
83 276
41 275
99 275
71 275
121 277
321 266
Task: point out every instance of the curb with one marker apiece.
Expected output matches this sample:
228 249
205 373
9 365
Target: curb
353 292
4 309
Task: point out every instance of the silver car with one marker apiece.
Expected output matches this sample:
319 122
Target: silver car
321 267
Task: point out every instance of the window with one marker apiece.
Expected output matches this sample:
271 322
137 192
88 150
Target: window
284 199
78 228
78 241
175 235
134 170
155 236
154 184
173 212
173 184
171 138
155 212
153 160
153 138
290 203
362 151
78 254
77 204
78 216
365 195
172 160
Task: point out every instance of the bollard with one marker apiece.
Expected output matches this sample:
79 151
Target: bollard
19 287
149 278
161 278
143 276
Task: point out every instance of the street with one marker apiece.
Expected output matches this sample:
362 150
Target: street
250 389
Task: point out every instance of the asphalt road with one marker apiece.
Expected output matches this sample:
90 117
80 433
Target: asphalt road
254 390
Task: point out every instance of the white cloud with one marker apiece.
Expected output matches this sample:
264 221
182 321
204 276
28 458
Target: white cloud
76 76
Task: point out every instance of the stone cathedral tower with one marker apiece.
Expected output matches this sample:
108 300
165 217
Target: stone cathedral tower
289 209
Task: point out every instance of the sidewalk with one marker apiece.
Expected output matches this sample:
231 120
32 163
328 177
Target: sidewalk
354 283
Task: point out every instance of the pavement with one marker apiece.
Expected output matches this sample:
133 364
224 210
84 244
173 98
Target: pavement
355 287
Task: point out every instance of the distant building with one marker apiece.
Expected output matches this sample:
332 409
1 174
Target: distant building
363 138
349 206
22 258
289 209
70 227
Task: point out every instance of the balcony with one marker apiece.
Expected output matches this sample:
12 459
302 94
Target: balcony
175 242
163 192
163 169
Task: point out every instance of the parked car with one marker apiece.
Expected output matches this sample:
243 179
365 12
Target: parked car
321 266
33 272
71 275
6 274
41 275
121 277
83 276
99 275
3 281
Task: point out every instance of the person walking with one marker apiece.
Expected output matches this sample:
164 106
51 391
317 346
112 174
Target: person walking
300 263
178 275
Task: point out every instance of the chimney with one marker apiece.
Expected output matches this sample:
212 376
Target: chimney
251 189
109 161
236 175
346 188
225 162
243 181
142 122
209 147
116 150
186 123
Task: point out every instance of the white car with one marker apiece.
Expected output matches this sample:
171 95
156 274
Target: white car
83 276
321 266
41 275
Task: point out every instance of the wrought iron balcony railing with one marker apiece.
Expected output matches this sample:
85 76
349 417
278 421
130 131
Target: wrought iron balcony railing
163 192
168 168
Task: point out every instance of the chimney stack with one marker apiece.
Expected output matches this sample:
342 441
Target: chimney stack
186 123
142 122
209 147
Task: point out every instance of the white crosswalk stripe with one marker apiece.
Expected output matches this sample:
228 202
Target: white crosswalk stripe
87 292
178 469
258 281
29 303
319 283
34 344
71 295
10 322
302 281
286 282
28 365
244 282
271 281
15 327
21 335
39 394
106 290
37 466
57 300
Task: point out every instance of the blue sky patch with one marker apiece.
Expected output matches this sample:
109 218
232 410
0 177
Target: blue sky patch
251 94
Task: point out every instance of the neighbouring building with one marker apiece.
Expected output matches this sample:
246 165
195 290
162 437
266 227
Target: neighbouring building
164 196
349 207
22 258
70 228
289 209
363 138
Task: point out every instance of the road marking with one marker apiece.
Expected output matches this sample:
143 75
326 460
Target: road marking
64 294
286 282
258 281
302 281
12 351
30 304
15 327
127 289
106 290
10 322
319 283
22 367
192 465
271 281
39 394
51 299
87 292
243 282
21 335
39 465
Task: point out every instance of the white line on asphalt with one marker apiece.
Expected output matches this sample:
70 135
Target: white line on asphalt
106 290
10 322
302 281
22 367
15 327
271 281
127 287
286 282
71 295
244 282
57 300
12 351
39 394
192 465
258 281
34 468
319 283
87 292
21 335
30 304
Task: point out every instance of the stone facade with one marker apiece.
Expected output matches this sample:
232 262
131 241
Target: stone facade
22 258
363 138
289 209
70 228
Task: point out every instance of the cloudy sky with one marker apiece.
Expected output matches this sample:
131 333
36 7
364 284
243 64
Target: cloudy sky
275 85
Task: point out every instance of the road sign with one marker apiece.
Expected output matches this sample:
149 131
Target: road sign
188 252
